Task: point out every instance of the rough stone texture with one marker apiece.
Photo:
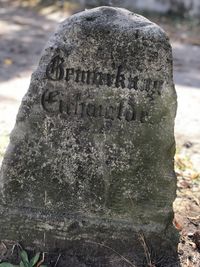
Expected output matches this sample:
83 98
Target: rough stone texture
91 154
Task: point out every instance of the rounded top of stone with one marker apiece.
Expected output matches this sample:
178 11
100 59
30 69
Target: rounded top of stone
106 13
113 19
110 13
107 36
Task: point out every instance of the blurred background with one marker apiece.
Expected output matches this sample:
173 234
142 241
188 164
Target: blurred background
25 26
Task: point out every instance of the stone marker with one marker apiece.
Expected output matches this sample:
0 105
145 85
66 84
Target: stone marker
90 159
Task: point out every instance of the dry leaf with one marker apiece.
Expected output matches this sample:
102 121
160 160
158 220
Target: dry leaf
195 175
8 61
177 225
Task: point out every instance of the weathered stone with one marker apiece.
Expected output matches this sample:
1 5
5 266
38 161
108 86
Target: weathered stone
91 154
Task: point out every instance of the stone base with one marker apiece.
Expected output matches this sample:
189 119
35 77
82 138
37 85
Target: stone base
85 240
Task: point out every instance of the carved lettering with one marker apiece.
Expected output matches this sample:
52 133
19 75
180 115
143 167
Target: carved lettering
69 73
98 78
110 78
120 78
133 83
99 111
144 116
55 70
68 108
50 101
148 85
130 114
58 102
83 75
78 75
110 113
151 87
83 105
120 111
90 110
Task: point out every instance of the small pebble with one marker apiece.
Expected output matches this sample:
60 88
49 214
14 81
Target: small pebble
188 144
190 235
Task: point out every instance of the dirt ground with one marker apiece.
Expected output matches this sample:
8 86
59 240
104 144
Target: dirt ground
23 33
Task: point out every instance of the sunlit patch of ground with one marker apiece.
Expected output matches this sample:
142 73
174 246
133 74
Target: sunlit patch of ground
187 211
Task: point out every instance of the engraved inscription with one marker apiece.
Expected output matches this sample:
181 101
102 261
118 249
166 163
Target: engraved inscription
56 71
57 102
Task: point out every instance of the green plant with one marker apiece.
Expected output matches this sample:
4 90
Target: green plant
34 262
